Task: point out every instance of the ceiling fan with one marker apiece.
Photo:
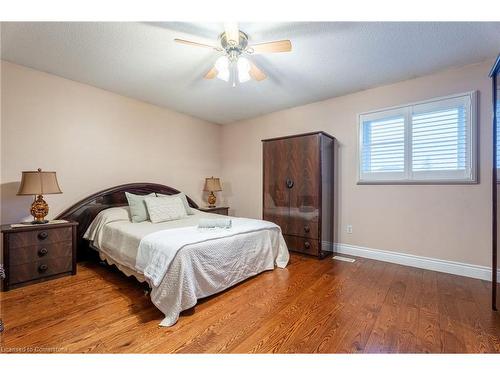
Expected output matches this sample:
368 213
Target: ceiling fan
233 65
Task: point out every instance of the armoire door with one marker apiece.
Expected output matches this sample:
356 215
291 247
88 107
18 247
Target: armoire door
495 76
304 173
276 193
496 89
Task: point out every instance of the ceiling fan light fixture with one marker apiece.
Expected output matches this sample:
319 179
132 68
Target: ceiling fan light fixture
222 66
232 66
243 70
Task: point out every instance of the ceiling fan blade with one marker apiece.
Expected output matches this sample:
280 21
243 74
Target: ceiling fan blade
195 44
212 73
232 31
277 46
256 73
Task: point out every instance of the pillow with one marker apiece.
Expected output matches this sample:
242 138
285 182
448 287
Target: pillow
138 210
109 215
183 197
165 208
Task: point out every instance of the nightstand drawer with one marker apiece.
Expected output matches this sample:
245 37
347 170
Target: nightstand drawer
41 252
43 268
40 237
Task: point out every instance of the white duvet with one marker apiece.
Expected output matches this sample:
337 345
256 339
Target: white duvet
183 263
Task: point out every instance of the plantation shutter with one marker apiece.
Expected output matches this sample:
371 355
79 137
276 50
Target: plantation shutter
428 141
383 150
440 140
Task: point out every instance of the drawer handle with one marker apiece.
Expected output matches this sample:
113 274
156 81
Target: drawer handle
307 229
42 268
42 252
307 245
42 235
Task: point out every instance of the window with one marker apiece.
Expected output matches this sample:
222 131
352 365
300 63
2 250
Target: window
431 141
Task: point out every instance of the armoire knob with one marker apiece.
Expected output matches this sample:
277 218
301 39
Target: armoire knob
42 268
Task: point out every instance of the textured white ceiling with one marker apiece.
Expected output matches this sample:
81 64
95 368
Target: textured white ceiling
329 59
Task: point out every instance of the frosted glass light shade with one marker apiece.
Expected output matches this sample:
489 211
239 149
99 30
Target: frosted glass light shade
243 70
222 66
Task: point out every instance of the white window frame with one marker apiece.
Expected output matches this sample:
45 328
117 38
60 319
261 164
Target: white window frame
421 177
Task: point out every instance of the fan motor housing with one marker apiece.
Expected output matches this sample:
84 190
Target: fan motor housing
229 45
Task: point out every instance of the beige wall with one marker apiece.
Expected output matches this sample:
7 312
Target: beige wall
451 222
95 139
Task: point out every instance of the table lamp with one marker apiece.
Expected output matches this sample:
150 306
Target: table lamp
38 183
212 184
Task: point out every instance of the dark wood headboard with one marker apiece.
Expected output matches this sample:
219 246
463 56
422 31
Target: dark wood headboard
85 211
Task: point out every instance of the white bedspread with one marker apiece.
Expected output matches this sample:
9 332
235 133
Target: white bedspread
185 263
157 250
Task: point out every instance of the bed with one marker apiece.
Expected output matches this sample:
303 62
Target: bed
180 262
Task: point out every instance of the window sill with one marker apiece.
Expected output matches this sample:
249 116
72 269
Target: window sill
416 182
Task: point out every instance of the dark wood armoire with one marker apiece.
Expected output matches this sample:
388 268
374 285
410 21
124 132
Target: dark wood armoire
495 288
298 191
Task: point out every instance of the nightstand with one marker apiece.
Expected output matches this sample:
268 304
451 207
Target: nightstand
216 210
36 253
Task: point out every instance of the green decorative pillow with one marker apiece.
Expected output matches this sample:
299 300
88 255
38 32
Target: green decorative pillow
183 197
138 209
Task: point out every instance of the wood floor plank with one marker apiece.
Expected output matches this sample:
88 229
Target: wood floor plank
449 318
387 328
312 306
428 331
362 311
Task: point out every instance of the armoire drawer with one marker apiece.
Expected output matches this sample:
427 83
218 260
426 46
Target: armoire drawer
302 228
302 245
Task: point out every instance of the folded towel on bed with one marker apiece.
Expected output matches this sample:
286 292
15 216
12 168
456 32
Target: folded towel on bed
214 223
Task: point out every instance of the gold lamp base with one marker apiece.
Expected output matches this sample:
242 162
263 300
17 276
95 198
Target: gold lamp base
211 199
39 209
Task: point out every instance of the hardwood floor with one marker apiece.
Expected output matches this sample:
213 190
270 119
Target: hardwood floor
312 306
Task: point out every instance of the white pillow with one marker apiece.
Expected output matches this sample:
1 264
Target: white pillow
165 208
188 208
138 209
109 215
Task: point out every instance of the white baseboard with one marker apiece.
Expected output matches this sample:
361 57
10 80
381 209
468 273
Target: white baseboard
433 264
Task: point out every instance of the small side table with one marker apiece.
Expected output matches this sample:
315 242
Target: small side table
221 210
36 253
